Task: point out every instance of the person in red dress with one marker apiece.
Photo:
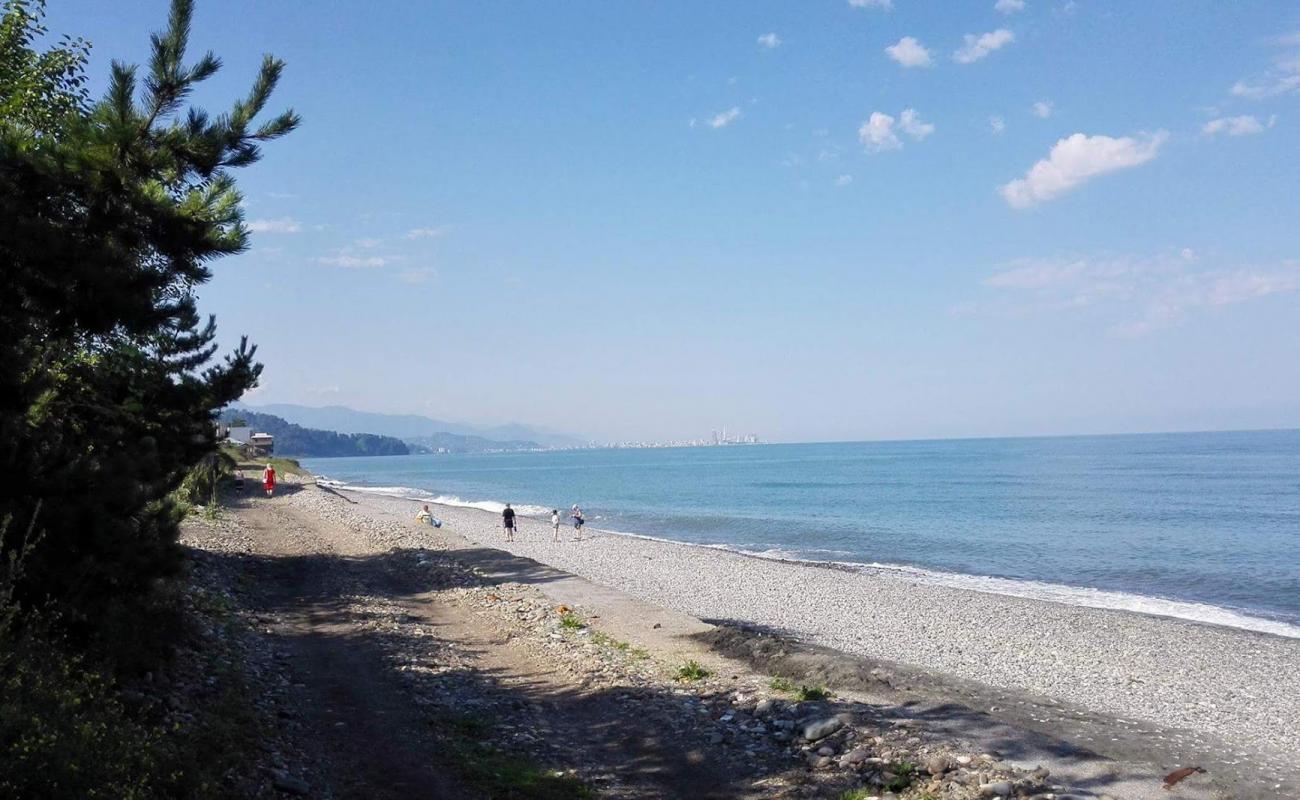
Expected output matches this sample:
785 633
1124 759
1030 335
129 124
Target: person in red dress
268 480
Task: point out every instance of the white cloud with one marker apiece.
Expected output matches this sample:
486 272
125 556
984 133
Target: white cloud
910 123
844 180
909 53
1042 109
977 47
1284 78
885 4
725 118
1009 6
1077 159
427 233
282 225
997 124
352 261
368 243
1236 126
1138 295
877 134
769 40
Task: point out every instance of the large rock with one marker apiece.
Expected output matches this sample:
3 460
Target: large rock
937 765
995 789
290 784
820 729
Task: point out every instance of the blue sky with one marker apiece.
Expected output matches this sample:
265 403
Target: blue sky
814 220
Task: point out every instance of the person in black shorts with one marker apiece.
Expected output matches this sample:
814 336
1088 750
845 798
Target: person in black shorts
578 520
508 521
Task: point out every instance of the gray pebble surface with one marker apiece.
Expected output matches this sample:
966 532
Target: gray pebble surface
1240 686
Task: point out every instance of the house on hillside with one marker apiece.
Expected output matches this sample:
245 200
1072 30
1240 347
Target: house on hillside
252 445
260 444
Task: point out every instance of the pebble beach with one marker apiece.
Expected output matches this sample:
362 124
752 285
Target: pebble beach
1169 678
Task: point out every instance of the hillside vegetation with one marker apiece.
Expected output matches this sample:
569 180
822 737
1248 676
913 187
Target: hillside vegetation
297 441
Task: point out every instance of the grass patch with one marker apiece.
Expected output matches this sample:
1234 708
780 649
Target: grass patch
856 794
283 466
498 774
637 653
692 671
808 694
904 774
572 622
779 684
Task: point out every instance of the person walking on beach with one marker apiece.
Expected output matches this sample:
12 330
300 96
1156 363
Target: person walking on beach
576 515
508 520
268 480
555 522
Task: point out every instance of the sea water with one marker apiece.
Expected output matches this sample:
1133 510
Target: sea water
1198 525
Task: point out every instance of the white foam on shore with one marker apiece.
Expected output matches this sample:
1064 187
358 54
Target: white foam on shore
1029 589
419 496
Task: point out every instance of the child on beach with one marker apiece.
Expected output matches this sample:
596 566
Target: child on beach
576 514
268 480
555 522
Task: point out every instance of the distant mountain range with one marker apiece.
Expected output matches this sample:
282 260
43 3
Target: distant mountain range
418 430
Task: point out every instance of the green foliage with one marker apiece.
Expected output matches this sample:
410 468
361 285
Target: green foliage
779 684
38 91
572 622
808 694
497 774
62 732
904 774
65 731
625 648
856 794
110 215
205 477
692 671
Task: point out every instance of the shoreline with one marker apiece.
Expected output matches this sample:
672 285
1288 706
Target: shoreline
1197 686
1127 602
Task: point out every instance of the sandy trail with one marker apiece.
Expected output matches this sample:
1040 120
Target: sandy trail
373 740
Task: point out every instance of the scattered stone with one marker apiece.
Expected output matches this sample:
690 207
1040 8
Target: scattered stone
822 728
290 784
995 789
937 765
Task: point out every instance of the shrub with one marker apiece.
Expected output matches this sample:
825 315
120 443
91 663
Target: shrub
692 671
811 694
779 684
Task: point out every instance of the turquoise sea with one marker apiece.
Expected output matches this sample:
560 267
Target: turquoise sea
1197 525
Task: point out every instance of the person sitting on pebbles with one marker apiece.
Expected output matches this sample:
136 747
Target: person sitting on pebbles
426 516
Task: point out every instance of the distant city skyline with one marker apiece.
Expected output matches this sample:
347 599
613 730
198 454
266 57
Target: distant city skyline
816 221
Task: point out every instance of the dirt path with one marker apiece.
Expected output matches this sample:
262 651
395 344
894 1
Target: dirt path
359 715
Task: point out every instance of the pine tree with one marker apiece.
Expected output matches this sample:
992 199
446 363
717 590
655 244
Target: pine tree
110 215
